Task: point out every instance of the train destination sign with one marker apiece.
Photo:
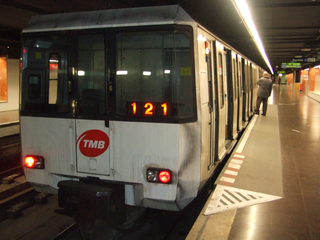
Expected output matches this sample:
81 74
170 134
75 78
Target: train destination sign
291 65
149 109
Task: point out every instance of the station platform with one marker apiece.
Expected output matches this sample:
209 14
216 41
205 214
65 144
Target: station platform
9 123
269 188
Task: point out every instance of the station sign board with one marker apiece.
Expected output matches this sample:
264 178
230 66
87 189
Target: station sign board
291 65
304 60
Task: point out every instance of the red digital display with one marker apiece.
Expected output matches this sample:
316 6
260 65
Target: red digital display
53 66
149 109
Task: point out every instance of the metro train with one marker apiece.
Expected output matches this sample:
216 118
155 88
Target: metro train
139 103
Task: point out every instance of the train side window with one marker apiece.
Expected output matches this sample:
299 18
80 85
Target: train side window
235 79
54 61
249 77
240 77
220 76
209 70
34 87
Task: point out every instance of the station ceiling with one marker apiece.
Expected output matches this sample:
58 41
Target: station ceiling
286 27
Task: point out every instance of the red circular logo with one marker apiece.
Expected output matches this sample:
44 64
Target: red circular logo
93 143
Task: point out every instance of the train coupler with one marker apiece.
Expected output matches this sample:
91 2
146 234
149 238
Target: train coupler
82 200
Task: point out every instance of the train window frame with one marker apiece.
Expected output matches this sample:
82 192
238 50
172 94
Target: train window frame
172 29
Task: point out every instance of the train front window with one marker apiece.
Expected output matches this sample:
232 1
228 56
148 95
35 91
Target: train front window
155 76
44 76
91 76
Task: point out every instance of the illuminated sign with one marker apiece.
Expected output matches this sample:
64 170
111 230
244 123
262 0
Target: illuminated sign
291 65
304 60
149 109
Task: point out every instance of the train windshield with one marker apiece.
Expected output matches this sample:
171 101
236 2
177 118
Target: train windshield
140 76
155 75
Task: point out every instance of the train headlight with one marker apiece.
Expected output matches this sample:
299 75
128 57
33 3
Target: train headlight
33 161
157 175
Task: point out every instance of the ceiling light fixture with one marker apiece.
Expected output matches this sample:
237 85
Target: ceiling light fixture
245 14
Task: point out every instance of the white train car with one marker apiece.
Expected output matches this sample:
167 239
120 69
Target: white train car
143 101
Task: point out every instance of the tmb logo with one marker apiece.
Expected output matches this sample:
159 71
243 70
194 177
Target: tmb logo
93 143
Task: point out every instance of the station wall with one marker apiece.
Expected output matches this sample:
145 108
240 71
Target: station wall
13 73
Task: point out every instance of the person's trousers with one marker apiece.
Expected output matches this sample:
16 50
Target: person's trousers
264 107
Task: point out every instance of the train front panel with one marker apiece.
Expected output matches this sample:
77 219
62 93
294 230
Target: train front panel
116 105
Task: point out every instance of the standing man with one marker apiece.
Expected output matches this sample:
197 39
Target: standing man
264 92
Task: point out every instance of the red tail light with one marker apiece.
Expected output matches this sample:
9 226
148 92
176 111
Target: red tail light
29 162
157 175
164 176
33 161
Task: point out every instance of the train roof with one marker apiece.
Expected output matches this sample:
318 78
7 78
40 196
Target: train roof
160 15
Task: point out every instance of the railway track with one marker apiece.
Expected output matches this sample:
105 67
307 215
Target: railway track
10 152
30 206
160 225
38 218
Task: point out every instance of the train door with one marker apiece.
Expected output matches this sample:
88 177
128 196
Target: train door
46 112
220 68
227 102
248 90
232 100
250 111
234 92
92 134
240 93
211 107
208 108
254 85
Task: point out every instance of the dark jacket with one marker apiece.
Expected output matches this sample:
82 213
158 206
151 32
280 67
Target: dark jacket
265 87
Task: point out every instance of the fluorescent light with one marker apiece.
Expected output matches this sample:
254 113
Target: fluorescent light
201 38
146 73
245 14
122 72
167 71
81 73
